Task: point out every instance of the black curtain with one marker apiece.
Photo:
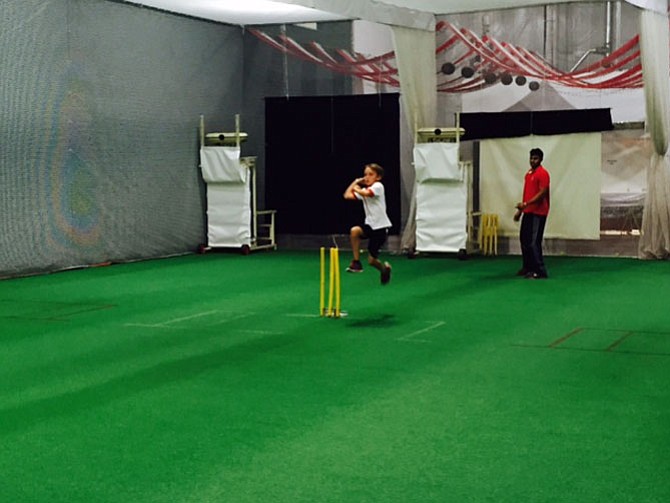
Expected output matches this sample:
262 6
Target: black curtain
480 126
315 147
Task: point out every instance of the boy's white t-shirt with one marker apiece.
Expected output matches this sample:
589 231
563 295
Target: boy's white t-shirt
375 206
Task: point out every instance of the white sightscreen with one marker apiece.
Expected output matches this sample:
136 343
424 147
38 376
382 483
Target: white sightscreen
573 162
441 198
228 192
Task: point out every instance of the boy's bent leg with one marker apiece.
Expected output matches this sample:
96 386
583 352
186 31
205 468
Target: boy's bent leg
355 236
383 268
377 240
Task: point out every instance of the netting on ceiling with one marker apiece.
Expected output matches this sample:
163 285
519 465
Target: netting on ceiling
468 62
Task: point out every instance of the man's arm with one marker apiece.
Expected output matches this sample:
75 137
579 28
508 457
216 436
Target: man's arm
536 198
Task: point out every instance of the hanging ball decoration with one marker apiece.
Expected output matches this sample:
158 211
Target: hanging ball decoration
467 72
506 79
520 80
490 77
534 85
448 68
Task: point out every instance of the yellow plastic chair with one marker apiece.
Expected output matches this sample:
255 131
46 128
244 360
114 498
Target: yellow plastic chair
488 235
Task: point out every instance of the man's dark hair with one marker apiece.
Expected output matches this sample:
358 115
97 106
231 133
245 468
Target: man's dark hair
538 152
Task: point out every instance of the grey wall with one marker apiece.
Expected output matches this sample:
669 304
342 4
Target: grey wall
99 105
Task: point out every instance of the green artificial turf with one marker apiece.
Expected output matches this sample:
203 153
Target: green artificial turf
211 378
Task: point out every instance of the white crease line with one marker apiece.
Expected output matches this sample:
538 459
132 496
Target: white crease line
228 320
410 337
146 325
199 315
299 315
166 327
169 322
260 332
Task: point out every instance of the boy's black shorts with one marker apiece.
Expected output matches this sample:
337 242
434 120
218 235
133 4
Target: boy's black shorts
377 238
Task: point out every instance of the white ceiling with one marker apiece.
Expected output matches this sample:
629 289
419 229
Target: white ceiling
242 12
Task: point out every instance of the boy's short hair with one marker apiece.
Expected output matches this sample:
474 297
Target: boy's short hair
538 152
376 168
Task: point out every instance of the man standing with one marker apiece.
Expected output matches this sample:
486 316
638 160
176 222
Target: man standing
535 208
